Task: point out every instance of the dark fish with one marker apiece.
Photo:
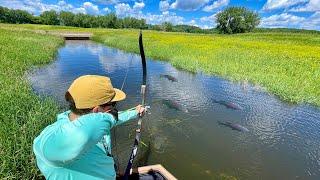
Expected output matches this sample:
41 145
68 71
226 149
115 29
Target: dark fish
174 105
229 105
169 77
234 126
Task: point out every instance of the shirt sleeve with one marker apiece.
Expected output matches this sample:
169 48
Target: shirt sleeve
125 116
74 138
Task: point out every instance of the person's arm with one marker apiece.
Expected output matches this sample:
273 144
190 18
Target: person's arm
76 137
127 115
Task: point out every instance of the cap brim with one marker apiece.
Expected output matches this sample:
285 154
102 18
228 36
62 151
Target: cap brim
120 95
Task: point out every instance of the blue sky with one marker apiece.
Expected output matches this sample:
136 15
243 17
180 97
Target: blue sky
304 14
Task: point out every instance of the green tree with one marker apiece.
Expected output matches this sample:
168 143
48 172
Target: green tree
108 21
36 20
167 26
49 17
130 22
4 14
15 16
66 18
22 17
86 21
237 20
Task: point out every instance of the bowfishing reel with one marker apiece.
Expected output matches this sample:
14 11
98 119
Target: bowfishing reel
147 109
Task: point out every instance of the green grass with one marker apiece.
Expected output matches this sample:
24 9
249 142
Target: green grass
22 114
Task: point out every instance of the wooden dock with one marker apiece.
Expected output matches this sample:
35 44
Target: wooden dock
76 36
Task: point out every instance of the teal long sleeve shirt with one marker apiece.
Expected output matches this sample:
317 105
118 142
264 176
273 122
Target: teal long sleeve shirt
74 149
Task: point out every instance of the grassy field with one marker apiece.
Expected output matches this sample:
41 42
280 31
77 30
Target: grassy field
286 64
22 113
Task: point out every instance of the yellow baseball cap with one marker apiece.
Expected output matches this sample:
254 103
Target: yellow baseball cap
89 91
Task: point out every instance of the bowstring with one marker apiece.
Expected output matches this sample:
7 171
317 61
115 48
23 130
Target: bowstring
115 129
125 77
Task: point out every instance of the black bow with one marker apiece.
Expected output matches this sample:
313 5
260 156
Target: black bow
143 93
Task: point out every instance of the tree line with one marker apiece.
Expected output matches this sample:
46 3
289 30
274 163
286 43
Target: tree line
229 21
70 19
65 18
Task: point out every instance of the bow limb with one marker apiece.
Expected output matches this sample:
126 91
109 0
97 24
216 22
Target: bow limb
144 69
143 94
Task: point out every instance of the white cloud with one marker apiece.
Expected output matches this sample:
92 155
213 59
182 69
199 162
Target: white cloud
188 5
106 2
164 5
313 22
138 6
17 4
206 27
208 21
283 20
286 20
37 6
166 16
110 2
65 6
125 10
91 8
216 5
311 6
281 4
192 23
106 10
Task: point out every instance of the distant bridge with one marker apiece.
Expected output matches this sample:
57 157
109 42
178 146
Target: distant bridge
76 36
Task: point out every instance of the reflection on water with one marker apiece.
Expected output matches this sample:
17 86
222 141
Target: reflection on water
283 141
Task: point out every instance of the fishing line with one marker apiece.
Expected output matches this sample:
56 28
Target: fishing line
115 129
125 77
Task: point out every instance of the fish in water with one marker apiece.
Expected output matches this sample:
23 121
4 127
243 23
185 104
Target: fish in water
234 126
169 77
229 105
160 143
174 105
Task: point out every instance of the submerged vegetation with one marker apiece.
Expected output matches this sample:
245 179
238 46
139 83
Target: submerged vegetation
22 113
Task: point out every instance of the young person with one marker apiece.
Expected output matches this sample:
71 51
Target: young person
78 145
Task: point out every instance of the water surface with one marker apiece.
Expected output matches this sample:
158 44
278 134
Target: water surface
282 143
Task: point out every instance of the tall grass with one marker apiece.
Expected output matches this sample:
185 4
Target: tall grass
22 114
